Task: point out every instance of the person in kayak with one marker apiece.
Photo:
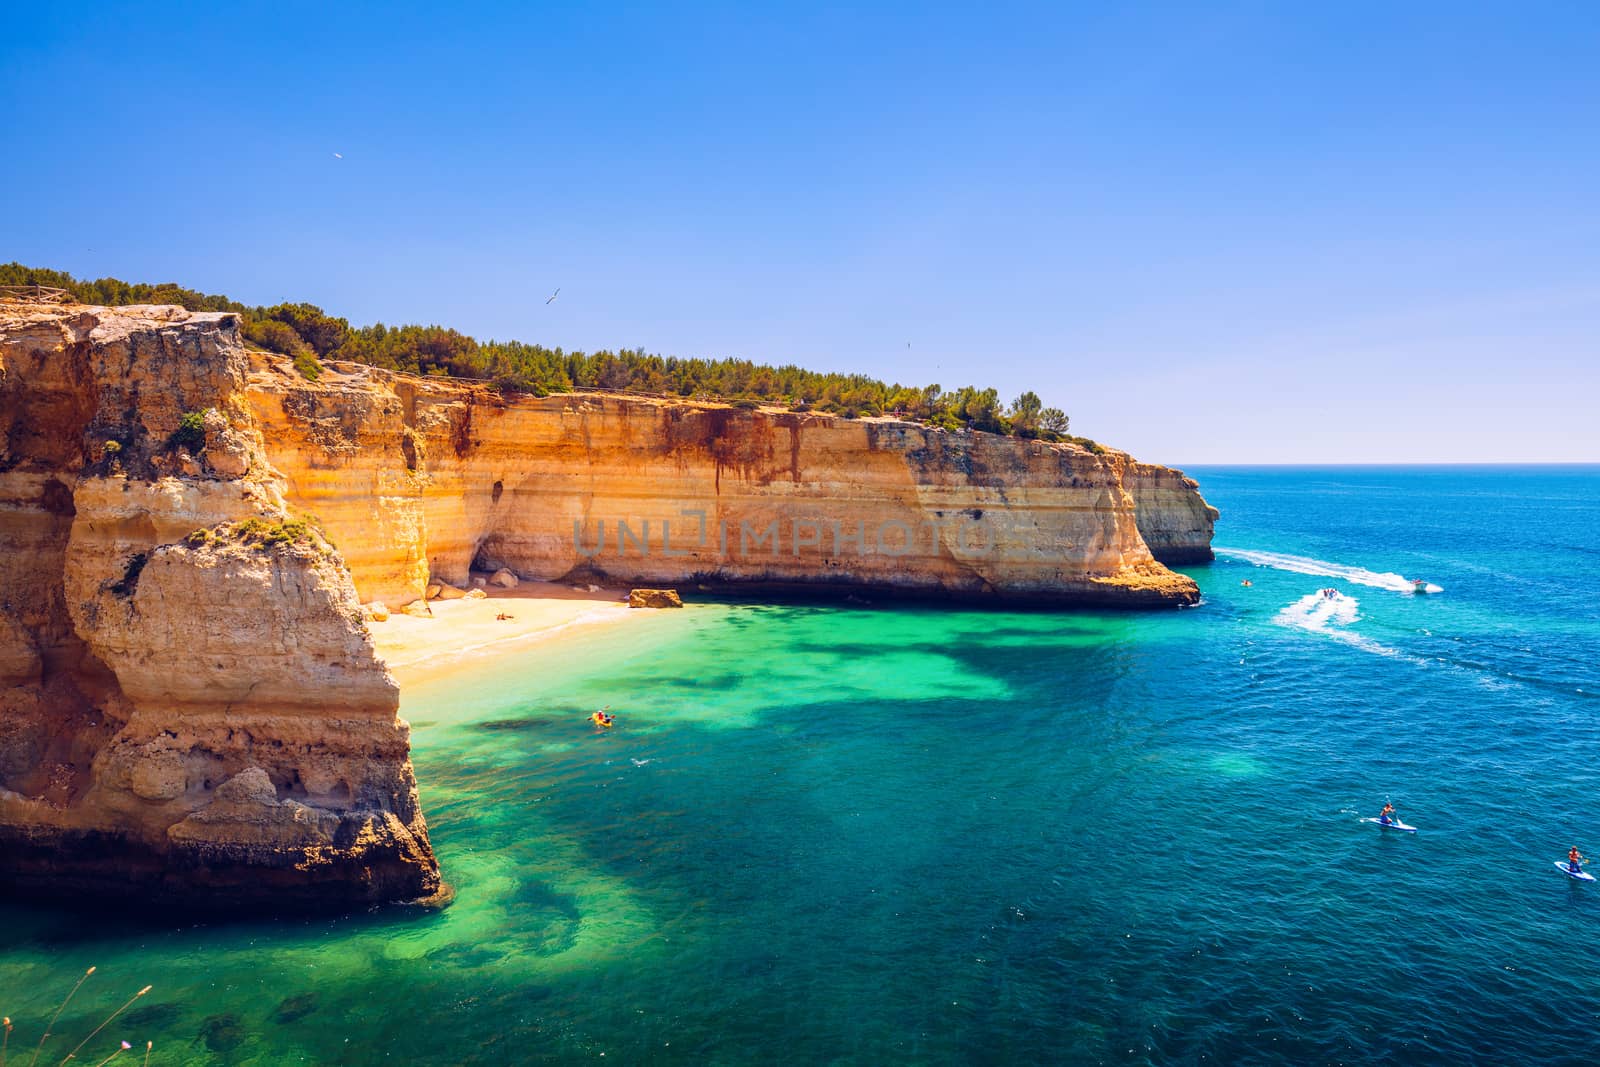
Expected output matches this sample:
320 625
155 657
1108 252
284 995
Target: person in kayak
1575 860
1387 816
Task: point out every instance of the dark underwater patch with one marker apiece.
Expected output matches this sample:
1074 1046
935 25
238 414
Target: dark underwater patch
293 1009
516 725
222 1033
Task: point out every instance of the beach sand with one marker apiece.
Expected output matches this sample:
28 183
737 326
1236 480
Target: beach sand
462 631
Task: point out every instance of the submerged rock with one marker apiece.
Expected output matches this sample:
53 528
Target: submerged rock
222 1033
293 1009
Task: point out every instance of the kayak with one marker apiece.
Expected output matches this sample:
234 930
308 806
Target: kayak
1395 824
1582 876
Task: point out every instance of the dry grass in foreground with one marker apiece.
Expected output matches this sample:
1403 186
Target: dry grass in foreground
49 1032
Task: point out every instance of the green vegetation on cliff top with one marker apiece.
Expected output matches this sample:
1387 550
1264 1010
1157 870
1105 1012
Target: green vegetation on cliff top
306 334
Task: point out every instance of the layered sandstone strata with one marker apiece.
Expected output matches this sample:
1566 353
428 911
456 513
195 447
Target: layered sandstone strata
190 703
416 478
1173 518
191 709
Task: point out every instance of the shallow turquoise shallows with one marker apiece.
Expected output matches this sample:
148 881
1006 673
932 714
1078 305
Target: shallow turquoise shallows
863 835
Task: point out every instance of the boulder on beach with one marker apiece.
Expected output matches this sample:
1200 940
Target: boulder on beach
432 591
419 608
375 611
504 579
450 592
654 598
476 594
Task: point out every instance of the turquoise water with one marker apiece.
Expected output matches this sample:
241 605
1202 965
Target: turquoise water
854 835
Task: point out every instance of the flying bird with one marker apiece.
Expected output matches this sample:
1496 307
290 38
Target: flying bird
554 295
338 155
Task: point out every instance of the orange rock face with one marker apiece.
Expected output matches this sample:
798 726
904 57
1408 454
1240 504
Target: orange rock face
417 478
1174 519
190 704
196 718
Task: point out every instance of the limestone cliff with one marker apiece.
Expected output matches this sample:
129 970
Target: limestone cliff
1173 518
191 710
190 703
419 477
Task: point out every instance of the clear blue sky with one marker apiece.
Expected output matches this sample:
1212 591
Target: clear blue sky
1220 232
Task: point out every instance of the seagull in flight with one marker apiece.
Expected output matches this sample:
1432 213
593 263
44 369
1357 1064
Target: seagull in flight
554 295
338 155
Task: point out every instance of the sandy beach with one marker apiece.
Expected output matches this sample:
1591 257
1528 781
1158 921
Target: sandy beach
460 631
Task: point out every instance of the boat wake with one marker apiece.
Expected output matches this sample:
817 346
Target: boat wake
1280 561
1320 613
1332 616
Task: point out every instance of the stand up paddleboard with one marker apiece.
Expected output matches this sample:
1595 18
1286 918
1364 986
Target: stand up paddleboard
1394 824
1582 876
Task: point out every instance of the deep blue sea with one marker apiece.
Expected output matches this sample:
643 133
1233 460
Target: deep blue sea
914 835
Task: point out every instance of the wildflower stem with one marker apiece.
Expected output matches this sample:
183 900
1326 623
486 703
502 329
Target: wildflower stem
107 1023
56 1016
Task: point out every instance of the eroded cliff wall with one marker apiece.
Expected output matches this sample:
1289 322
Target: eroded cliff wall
191 708
190 712
414 478
1173 518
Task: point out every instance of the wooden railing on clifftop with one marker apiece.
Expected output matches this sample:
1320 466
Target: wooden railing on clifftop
35 294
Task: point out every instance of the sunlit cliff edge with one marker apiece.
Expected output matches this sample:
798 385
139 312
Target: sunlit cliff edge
423 477
191 707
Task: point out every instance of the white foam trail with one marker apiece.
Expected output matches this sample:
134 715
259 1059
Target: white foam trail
1316 611
1395 583
1328 615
